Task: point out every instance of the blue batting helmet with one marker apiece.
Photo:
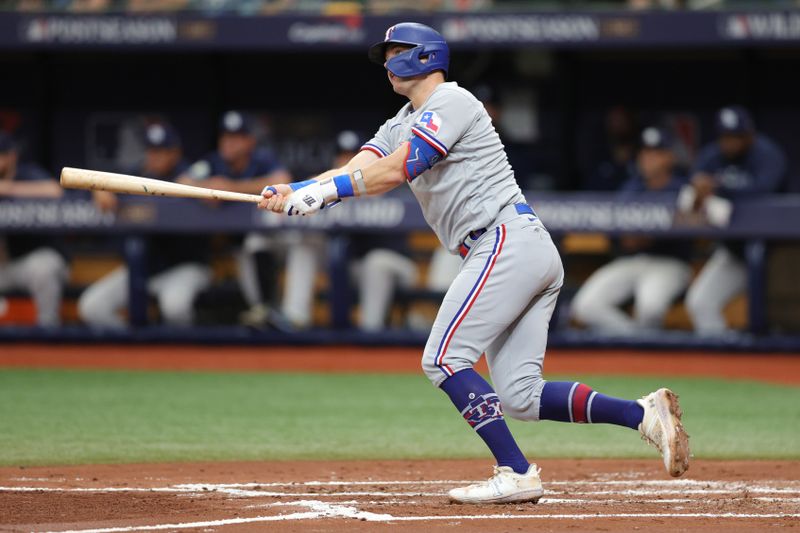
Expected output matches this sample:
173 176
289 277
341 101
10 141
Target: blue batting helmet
426 42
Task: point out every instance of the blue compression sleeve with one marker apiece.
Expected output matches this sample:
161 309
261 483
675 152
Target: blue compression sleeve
421 156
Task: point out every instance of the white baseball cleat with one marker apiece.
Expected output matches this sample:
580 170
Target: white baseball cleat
661 427
505 486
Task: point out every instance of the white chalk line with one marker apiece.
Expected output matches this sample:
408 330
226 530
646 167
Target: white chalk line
649 482
570 498
322 510
211 489
348 509
559 501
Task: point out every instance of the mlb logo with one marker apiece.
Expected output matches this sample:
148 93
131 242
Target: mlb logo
430 121
389 33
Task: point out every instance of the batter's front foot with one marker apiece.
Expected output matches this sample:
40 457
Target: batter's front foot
662 427
505 486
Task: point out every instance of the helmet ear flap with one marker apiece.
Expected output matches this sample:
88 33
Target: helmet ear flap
419 60
435 49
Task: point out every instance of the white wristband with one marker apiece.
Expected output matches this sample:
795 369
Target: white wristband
358 177
329 191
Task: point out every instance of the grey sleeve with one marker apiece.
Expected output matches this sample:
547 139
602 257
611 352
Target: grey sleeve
443 121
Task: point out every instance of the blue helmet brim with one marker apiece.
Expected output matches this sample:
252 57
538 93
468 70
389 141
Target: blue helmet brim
377 52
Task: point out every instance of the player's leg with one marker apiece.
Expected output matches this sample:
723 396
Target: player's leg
663 281
516 361
43 273
722 277
381 271
100 304
500 276
597 304
302 262
253 244
176 289
477 307
257 275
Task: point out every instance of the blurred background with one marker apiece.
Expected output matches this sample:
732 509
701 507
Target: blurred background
658 141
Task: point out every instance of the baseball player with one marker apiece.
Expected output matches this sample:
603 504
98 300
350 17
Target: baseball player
239 164
741 162
442 144
653 272
31 263
177 265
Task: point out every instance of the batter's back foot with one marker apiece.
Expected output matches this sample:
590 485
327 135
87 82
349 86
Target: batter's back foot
505 486
662 428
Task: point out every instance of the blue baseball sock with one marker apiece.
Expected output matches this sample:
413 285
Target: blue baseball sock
567 401
480 406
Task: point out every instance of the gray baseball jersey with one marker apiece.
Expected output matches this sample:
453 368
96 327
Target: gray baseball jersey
467 189
501 301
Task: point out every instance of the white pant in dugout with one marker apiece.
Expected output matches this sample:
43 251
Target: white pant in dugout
302 250
43 273
175 289
652 281
378 274
722 277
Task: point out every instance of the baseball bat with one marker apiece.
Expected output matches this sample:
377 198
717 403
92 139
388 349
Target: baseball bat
80 178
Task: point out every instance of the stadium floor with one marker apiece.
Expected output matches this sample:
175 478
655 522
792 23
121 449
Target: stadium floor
598 495
394 495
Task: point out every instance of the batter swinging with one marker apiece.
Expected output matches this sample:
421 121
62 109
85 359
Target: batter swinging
442 143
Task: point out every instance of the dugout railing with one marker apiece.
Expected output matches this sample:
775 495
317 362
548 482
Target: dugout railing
768 225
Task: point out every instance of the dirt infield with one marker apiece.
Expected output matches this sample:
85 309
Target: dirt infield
395 496
581 495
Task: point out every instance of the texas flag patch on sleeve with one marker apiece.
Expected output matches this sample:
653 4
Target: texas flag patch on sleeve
430 121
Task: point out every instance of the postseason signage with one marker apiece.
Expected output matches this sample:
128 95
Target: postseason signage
462 30
103 30
776 216
522 29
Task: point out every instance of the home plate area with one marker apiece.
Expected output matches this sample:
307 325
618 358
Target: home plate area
396 495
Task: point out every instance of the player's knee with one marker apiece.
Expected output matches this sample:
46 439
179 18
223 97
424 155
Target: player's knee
47 266
586 310
438 371
93 310
431 370
699 305
175 310
380 261
651 313
521 399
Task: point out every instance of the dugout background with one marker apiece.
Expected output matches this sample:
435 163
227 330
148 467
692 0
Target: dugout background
67 106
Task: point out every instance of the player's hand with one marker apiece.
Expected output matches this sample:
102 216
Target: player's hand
305 201
704 186
274 197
